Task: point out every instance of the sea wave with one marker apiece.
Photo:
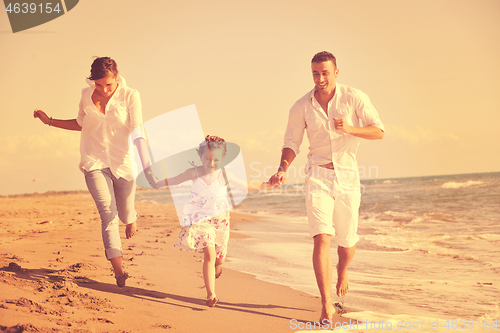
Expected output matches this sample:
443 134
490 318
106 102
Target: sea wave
460 185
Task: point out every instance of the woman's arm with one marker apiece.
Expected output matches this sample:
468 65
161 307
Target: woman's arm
68 124
142 149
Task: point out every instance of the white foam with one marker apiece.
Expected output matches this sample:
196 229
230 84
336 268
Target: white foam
459 185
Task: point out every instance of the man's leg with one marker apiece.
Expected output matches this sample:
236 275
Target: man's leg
345 217
345 257
322 263
319 204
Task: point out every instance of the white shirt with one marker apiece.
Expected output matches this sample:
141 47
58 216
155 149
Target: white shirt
327 144
105 137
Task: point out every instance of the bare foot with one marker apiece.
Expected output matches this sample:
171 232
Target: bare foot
218 271
212 301
342 283
120 279
327 313
130 230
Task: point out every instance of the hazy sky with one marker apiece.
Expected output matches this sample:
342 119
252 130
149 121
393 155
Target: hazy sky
431 68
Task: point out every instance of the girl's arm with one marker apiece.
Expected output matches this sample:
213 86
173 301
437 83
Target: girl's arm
69 124
248 185
189 174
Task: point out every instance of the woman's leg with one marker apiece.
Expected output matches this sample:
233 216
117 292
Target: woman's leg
209 271
116 262
125 203
100 185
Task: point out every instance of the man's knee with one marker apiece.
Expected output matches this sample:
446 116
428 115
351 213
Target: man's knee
322 240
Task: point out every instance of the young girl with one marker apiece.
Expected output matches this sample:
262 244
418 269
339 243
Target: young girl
206 214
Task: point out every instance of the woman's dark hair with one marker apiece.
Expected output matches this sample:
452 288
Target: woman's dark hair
101 67
215 142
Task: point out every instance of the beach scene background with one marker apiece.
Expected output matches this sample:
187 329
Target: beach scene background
429 246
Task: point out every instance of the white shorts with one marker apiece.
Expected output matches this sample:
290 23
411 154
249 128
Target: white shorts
330 212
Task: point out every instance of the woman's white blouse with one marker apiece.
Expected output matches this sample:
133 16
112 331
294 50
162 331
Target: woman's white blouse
105 137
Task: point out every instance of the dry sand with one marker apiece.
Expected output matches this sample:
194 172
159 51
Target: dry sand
54 276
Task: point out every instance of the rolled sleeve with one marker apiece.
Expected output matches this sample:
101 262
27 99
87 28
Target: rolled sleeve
295 129
137 133
81 111
367 112
135 109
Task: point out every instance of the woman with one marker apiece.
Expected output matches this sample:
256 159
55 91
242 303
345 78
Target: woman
110 112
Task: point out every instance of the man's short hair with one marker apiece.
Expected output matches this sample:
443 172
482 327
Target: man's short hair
324 56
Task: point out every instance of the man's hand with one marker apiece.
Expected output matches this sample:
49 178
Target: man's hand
277 179
341 124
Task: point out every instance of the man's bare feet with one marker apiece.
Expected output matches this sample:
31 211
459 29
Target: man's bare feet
327 313
345 257
342 282
130 230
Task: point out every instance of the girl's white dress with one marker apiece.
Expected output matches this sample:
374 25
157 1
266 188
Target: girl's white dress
206 217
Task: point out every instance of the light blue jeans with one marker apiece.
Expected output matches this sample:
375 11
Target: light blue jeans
114 198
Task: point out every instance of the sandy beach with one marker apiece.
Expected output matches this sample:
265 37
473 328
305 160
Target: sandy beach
54 276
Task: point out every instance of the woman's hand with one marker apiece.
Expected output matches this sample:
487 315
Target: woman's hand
42 116
151 178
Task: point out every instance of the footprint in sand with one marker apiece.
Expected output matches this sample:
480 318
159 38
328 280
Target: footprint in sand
162 326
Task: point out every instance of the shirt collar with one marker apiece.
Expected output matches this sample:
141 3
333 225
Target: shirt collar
314 101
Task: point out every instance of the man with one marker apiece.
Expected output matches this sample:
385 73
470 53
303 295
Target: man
336 117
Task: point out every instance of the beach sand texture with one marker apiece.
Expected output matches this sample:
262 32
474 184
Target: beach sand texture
54 276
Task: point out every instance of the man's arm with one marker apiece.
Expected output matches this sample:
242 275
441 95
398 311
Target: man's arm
287 157
370 132
293 139
366 112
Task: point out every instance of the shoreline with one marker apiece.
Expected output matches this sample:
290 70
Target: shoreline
53 265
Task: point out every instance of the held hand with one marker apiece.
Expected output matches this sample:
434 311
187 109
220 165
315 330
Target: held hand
341 124
277 179
151 177
42 116
160 184
265 186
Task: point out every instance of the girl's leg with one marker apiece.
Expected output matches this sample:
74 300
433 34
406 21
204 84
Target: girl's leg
218 267
209 271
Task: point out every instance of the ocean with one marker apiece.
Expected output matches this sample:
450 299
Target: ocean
429 248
